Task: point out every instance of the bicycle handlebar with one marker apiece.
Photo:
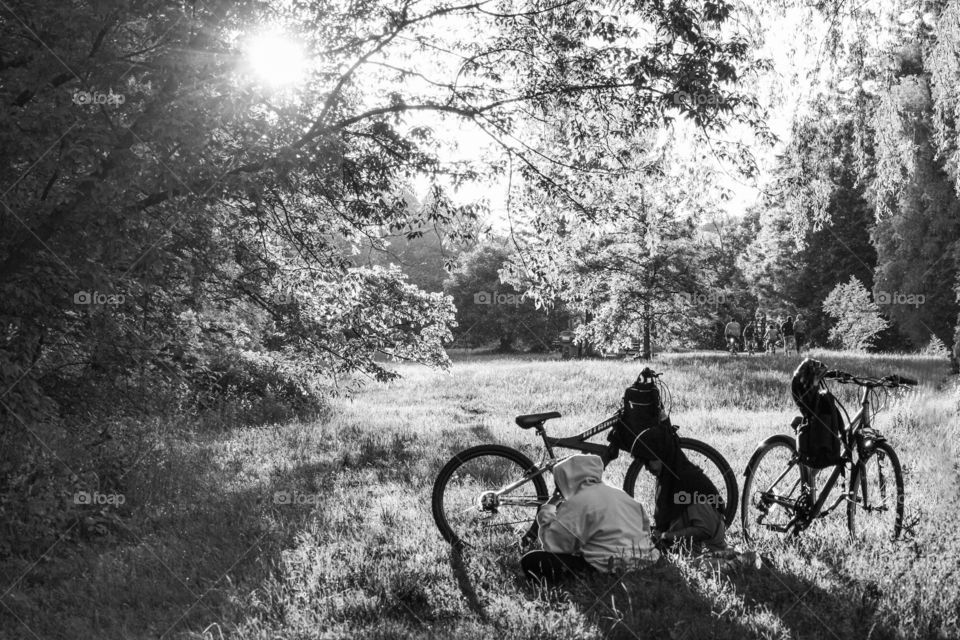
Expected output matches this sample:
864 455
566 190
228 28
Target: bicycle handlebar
897 379
893 380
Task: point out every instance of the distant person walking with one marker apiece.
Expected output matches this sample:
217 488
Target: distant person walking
799 332
731 335
761 322
771 338
788 338
749 336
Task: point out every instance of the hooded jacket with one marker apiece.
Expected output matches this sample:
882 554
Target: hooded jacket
602 523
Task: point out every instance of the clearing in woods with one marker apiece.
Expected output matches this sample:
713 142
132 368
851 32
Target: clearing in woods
324 530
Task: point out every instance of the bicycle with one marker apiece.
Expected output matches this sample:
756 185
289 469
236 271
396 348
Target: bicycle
732 345
779 493
488 495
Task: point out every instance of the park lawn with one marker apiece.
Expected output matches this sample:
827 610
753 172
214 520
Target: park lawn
210 553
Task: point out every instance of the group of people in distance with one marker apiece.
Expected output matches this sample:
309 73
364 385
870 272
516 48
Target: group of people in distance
768 336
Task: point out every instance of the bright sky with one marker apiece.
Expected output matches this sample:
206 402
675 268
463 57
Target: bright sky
783 93
794 44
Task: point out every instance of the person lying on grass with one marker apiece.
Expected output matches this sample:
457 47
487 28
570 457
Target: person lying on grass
689 509
595 528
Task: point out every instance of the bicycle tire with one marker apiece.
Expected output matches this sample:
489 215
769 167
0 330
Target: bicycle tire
723 467
440 487
858 486
768 445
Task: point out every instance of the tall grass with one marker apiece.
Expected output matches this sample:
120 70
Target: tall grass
211 553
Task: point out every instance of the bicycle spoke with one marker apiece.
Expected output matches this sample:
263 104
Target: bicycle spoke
773 492
876 506
469 506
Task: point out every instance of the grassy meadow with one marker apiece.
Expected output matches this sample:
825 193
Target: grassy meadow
211 551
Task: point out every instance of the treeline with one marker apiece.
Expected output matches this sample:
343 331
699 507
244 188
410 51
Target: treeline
180 240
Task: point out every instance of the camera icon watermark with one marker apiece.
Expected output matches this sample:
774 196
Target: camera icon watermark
485 297
283 297
84 98
898 297
95 498
295 497
98 298
687 498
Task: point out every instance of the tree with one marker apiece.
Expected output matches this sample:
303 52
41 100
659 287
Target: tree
813 224
195 190
857 319
633 266
918 213
491 310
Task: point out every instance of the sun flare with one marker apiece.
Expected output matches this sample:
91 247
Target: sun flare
276 59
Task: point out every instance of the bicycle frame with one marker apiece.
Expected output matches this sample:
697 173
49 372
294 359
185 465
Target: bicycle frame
577 442
859 422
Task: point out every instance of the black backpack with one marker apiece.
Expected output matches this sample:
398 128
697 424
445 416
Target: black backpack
641 410
819 430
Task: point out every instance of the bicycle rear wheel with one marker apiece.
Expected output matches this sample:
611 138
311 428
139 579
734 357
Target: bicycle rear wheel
468 505
876 495
771 490
714 465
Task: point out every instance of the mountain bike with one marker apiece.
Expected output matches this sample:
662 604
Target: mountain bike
488 495
779 492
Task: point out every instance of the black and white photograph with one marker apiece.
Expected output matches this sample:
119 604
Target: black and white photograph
479 319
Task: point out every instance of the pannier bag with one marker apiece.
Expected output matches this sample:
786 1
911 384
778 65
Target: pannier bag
642 410
820 425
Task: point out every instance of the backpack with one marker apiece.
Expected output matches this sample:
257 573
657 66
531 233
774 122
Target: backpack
642 410
819 430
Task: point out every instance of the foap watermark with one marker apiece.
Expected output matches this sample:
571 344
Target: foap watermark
111 99
295 497
682 97
95 498
687 498
98 298
485 297
898 297
701 299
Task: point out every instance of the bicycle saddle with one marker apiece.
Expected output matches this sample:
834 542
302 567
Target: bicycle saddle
533 419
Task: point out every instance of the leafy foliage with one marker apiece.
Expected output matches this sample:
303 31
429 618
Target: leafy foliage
811 226
857 317
204 193
918 211
492 310
636 265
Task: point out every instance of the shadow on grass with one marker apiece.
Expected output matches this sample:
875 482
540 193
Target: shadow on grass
187 560
673 599
462 575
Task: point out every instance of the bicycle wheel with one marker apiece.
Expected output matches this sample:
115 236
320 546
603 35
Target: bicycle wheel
643 487
771 489
876 495
466 505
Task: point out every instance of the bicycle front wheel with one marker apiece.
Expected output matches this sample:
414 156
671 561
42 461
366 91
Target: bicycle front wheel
875 507
772 490
714 465
487 497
